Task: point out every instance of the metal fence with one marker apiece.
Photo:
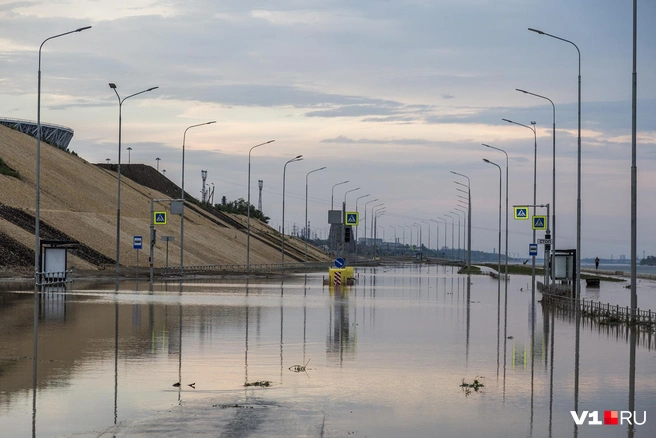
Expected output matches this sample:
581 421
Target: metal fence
618 332
606 313
54 278
262 268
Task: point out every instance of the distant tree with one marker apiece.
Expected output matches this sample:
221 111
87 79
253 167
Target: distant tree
650 260
241 206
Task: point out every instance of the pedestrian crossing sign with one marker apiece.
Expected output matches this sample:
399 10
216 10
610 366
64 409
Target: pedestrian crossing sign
539 222
159 218
352 218
521 213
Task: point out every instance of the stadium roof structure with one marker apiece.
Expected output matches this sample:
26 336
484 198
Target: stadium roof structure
58 136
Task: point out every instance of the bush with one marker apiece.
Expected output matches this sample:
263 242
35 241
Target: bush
6 170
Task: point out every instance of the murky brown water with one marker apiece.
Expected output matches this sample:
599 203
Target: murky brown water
384 358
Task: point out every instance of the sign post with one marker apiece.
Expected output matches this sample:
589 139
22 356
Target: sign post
157 218
167 239
532 249
137 244
352 218
537 223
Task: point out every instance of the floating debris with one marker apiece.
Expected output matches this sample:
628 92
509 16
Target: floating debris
476 385
264 383
299 368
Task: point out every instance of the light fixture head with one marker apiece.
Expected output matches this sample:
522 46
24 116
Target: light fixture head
536 31
112 85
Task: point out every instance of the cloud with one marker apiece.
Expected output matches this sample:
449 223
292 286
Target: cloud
448 96
399 141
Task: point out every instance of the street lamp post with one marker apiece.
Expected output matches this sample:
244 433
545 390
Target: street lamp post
358 225
393 228
578 185
332 193
464 218
248 220
428 225
415 224
332 207
184 138
37 245
365 219
410 228
535 169
499 252
453 225
284 170
445 227
306 208
459 226
157 160
344 218
437 237
553 165
118 202
373 217
504 152
375 227
37 240
468 216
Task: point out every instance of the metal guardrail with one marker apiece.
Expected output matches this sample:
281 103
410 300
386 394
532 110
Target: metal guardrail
608 313
54 278
241 268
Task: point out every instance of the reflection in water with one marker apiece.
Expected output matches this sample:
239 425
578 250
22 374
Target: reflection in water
551 370
115 359
505 338
498 331
577 312
247 311
87 327
532 360
468 320
340 339
632 366
180 347
282 317
305 317
35 357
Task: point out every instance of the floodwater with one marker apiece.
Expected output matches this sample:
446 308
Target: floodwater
383 358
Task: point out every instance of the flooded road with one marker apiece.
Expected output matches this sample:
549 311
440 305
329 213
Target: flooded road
384 358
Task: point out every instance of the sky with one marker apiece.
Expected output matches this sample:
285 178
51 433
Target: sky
390 95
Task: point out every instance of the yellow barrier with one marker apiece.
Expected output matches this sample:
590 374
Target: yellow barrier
341 275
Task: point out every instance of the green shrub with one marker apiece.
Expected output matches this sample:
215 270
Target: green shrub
6 170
